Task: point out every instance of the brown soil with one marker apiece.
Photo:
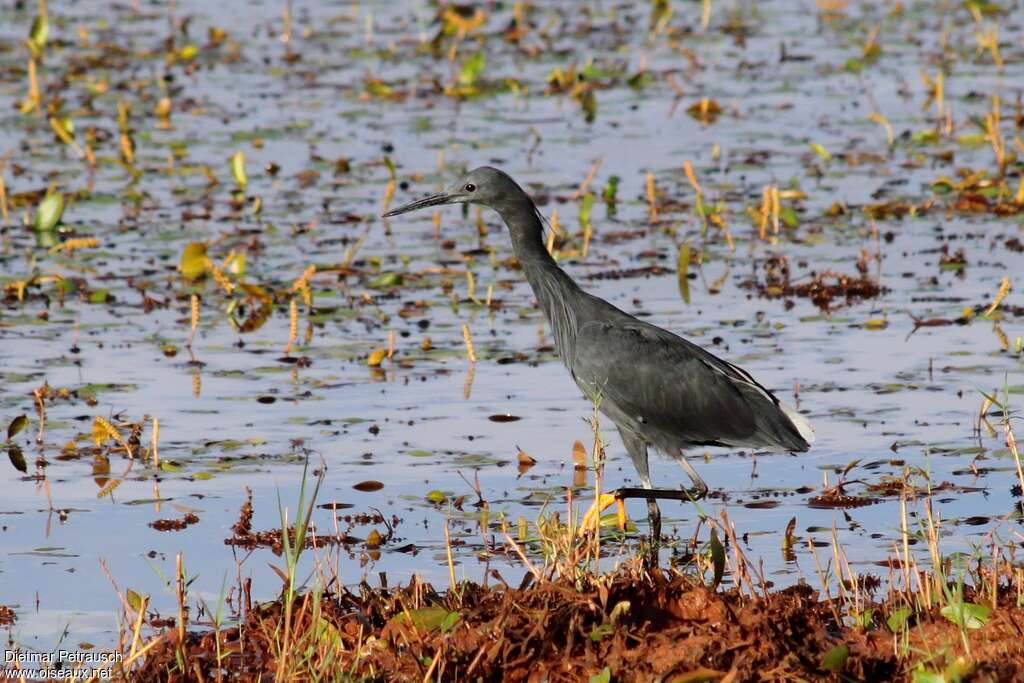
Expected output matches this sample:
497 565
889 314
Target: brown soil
641 626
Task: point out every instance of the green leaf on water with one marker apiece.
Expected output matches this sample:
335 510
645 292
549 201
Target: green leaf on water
471 69
604 677
925 137
586 205
976 141
385 280
835 659
17 458
49 212
611 189
985 7
821 152
683 270
789 217
588 102
640 80
188 52
193 260
38 34
436 497
592 72
717 558
966 614
99 296
66 125
238 169
17 424
378 88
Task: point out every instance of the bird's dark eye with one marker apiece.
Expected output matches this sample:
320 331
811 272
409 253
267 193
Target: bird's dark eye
470 187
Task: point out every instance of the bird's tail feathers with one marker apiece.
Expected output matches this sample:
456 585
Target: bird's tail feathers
802 424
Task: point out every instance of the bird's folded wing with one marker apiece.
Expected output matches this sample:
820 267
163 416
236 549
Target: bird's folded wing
664 382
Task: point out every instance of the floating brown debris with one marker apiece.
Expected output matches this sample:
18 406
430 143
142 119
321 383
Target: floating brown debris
273 540
175 524
939 322
891 486
7 616
896 209
834 500
627 273
243 535
822 288
954 261
705 110
975 202
826 286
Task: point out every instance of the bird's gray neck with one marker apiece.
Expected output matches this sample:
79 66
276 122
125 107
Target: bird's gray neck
558 295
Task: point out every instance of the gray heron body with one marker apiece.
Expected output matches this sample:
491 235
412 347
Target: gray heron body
659 389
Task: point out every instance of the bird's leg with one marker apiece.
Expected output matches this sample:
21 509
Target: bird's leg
654 518
700 489
637 450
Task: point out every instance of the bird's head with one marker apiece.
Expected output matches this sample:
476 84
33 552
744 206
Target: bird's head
484 185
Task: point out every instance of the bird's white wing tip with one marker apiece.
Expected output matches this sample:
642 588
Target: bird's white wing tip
802 424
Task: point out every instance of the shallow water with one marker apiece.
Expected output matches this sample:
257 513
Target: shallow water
891 398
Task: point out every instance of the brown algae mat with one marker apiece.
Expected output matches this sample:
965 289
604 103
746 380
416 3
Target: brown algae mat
632 625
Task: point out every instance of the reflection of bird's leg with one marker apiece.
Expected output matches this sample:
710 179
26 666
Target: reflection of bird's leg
700 489
637 450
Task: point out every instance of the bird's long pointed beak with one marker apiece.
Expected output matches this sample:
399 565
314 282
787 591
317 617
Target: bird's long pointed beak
429 200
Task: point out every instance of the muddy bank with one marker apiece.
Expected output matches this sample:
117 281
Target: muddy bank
629 626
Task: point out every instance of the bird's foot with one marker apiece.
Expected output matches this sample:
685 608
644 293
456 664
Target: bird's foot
698 492
604 501
685 495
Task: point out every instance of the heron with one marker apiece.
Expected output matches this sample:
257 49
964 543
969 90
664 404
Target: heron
660 390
